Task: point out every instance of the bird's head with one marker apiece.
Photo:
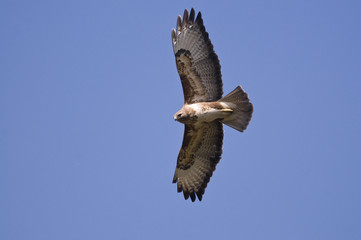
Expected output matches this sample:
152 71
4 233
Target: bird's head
180 116
186 115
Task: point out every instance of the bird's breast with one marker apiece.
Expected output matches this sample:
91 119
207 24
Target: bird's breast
210 111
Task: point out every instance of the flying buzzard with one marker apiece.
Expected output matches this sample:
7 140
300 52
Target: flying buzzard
204 110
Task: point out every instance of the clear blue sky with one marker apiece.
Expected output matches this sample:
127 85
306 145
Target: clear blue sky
88 144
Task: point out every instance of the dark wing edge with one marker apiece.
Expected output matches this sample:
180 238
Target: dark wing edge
197 63
200 153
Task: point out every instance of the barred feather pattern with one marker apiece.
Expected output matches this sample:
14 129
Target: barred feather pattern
200 153
197 63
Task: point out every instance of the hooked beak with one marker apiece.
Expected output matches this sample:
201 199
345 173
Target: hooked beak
177 116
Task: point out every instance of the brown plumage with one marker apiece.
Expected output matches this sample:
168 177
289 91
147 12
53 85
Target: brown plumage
204 109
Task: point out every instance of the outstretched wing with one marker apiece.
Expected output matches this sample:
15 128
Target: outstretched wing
197 63
201 151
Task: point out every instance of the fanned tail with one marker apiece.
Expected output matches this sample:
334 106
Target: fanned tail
242 109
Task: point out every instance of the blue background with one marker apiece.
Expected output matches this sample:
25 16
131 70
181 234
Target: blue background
88 144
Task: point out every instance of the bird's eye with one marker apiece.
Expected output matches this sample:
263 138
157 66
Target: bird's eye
179 115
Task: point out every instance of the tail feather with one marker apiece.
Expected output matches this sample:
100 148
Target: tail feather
238 101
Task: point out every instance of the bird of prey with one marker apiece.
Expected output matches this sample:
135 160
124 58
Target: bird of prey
204 110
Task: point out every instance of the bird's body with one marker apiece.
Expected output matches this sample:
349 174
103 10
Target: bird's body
204 110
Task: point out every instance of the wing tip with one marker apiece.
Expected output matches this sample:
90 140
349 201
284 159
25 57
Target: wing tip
185 194
191 16
199 195
193 195
199 19
185 19
174 36
179 23
190 193
188 19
